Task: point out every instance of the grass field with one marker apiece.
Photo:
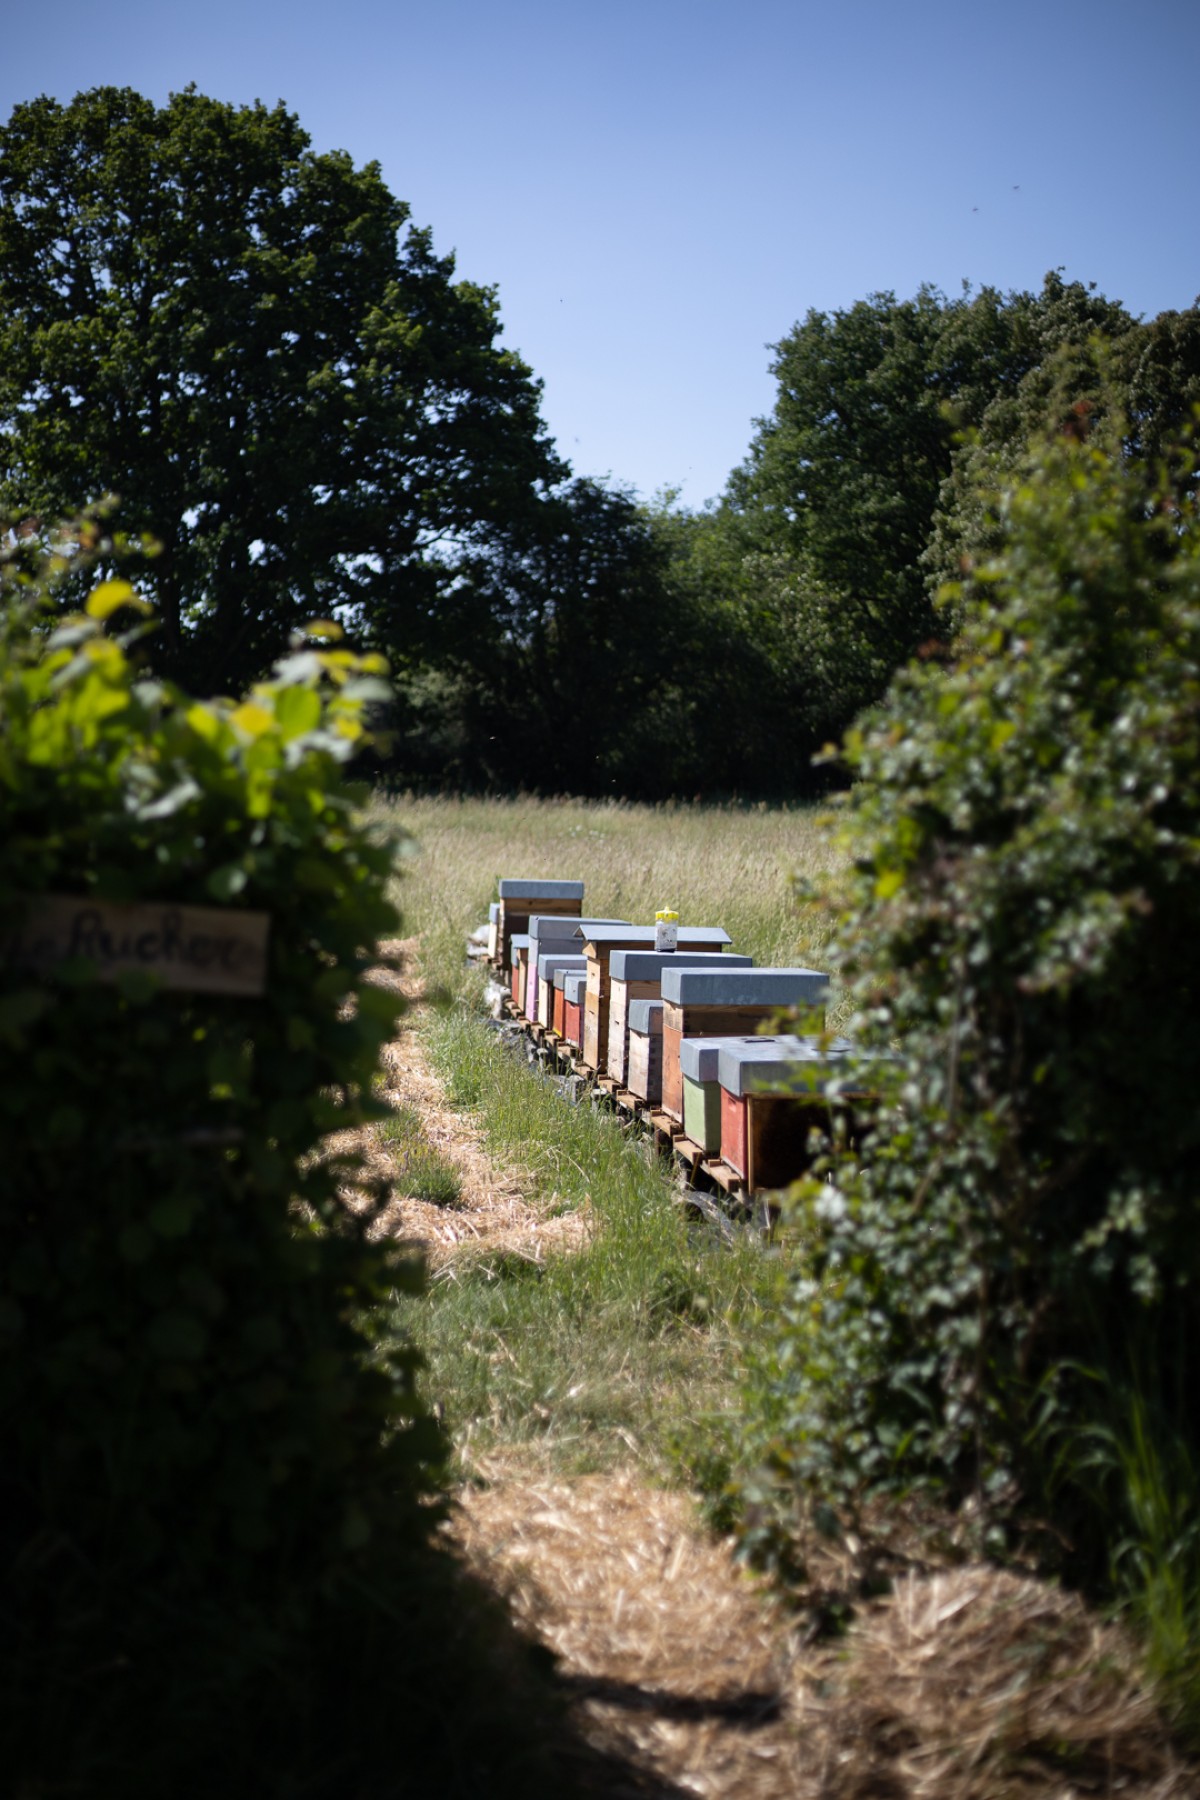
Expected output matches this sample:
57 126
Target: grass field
730 866
619 1354
620 1349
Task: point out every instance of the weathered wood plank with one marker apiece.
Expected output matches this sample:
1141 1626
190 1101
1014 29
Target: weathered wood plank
201 949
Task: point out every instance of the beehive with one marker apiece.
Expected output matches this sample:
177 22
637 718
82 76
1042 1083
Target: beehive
518 947
725 1003
547 968
643 1071
550 934
637 975
701 1091
520 899
772 1095
558 1014
574 993
599 944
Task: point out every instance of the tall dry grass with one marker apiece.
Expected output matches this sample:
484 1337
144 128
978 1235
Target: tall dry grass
715 865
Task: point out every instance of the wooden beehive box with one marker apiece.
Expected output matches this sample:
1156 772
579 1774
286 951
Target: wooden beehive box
574 989
520 899
701 1091
637 975
599 943
772 1095
558 1004
552 934
725 1003
547 968
518 946
643 1071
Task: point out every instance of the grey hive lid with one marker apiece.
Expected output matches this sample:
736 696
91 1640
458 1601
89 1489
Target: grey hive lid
647 965
549 965
633 937
575 986
645 1016
541 890
782 1065
743 987
698 1056
544 926
519 941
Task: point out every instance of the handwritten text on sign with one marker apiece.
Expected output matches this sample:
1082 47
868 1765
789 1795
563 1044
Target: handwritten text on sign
207 949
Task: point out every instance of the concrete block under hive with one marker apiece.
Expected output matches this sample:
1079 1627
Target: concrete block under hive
637 975
599 944
725 1003
643 1070
773 1093
520 899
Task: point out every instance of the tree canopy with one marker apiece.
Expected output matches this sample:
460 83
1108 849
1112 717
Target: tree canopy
252 349
249 345
848 469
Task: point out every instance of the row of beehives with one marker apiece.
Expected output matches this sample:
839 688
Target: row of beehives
676 1034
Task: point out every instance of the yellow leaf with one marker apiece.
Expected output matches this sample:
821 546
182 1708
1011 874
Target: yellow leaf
105 600
251 719
322 628
889 883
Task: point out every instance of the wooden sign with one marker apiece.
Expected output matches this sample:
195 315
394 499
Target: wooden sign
206 949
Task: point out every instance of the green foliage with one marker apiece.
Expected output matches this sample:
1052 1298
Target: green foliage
247 343
1020 922
599 1333
205 1450
572 613
772 654
827 525
1143 1465
1081 361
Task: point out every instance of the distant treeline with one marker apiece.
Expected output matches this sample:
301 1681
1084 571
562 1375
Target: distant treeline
256 353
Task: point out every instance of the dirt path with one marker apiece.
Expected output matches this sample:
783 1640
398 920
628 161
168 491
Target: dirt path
686 1679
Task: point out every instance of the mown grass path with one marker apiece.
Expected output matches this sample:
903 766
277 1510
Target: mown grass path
680 1674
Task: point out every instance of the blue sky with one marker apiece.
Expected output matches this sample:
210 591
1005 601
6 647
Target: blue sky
659 190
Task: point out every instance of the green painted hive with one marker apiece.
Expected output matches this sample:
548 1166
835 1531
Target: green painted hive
701 1092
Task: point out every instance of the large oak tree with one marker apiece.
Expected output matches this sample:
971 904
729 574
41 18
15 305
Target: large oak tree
251 347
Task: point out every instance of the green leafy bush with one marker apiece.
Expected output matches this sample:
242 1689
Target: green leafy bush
1021 922
205 1444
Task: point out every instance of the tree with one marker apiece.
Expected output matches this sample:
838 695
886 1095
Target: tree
846 473
249 346
1079 360
1018 931
558 665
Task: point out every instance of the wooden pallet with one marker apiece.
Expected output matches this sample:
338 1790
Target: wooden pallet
723 1175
